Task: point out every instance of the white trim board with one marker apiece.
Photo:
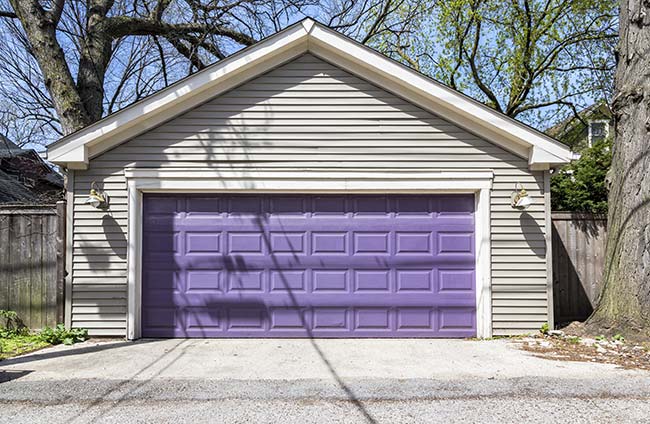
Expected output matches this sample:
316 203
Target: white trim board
141 181
77 149
69 243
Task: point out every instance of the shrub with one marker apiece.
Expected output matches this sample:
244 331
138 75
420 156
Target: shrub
60 334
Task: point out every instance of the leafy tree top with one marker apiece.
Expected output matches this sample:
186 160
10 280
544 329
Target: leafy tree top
581 186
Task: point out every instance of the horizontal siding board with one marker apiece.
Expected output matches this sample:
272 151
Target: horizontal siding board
331 101
518 310
99 295
308 115
355 164
99 303
102 316
98 273
99 284
100 258
103 323
97 309
107 332
321 114
99 266
412 148
516 296
307 156
519 266
520 303
179 143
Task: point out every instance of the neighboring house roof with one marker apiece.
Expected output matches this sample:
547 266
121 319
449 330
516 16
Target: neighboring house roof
11 191
75 150
599 110
7 144
25 177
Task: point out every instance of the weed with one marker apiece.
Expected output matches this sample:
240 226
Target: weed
544 329
60 334
618 338
16 339
11 325
573 339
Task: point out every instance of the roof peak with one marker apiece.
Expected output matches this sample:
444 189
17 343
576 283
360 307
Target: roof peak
307 36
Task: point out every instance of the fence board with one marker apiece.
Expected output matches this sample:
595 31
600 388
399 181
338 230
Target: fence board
578 241
32 262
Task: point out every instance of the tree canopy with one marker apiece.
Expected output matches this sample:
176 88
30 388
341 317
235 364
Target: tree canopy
67 63
581 186
535 60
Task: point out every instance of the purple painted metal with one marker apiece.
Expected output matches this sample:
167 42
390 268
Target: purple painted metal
308 266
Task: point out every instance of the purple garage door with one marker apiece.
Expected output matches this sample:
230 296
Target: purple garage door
308 266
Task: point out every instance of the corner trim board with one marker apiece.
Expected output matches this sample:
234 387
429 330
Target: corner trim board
548 238
69 240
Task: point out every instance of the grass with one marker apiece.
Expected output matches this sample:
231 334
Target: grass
19 345
16 339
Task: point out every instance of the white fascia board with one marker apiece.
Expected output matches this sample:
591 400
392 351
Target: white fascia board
541 160
77 156
180 97
449 103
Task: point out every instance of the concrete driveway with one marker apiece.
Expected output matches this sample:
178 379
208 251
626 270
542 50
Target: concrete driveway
305 381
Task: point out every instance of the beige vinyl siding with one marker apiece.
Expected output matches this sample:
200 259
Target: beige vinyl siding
308 114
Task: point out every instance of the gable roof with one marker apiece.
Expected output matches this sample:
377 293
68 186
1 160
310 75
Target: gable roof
75 150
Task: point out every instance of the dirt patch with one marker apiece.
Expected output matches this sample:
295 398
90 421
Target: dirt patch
632 333
562 347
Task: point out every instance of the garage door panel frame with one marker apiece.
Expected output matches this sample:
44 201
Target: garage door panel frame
140 181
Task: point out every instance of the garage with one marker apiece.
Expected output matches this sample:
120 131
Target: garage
308 186
308 266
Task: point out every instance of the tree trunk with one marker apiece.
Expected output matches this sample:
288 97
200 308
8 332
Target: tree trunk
95 56
41 31
625 301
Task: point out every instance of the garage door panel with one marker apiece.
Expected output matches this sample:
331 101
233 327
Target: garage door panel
330 298
371 279
308 266
242 263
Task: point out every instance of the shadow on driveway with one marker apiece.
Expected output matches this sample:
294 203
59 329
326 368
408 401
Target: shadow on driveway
6 375
38 356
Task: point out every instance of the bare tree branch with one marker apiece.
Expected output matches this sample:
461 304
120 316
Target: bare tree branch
7 14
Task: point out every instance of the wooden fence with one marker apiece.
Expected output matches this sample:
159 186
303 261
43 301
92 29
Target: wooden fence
32 262
578 262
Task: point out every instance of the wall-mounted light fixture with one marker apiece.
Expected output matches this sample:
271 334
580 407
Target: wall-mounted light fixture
96 198
520 199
